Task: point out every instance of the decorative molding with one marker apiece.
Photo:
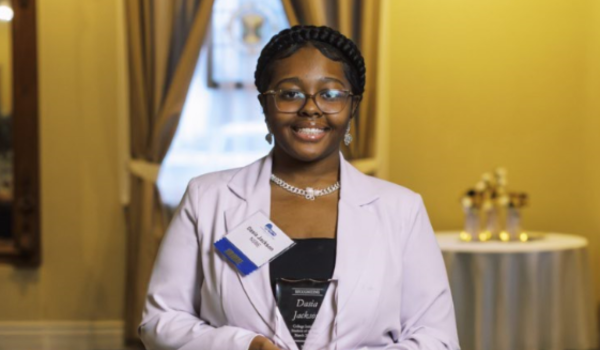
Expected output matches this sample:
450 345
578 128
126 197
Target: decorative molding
384 96
62 335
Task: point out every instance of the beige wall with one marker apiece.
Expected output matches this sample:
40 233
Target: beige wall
592 134
479 84
82 272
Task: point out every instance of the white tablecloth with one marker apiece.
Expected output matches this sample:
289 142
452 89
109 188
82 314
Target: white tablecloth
519 296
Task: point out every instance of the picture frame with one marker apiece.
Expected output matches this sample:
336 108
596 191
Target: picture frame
24 246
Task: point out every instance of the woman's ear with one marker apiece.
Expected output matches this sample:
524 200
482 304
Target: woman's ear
355 104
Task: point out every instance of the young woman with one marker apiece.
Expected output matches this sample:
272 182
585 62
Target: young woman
371 236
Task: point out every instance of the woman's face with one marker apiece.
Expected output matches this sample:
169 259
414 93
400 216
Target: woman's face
308 134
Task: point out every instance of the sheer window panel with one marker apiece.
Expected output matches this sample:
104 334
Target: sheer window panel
222 124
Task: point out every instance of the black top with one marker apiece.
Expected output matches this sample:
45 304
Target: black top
309 258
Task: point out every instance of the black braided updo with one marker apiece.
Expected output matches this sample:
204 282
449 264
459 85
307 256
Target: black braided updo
331 43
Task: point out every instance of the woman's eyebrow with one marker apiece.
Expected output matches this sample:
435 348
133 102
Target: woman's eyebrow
328 79
295 80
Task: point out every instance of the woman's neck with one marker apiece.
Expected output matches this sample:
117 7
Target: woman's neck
319 173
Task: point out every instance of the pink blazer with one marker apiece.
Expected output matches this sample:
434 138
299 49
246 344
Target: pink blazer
392 290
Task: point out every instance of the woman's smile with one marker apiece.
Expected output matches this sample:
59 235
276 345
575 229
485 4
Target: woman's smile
309 132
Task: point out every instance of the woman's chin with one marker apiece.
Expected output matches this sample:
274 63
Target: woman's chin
309 152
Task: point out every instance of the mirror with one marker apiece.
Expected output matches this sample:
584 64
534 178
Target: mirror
6 113
19 154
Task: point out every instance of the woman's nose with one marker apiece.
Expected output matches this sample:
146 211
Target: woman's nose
310 108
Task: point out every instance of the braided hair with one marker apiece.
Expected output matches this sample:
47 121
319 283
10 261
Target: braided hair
331 43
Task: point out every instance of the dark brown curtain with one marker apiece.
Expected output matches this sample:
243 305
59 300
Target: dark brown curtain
164 42
358 20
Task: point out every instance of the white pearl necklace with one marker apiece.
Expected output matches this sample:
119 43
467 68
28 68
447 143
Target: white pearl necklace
309 193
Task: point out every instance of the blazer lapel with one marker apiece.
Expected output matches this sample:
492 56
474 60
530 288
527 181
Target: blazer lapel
255 285
358 236
252 185
359 271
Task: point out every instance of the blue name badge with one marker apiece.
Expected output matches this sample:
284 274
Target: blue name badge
253 243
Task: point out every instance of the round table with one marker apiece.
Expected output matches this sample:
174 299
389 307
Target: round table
519 296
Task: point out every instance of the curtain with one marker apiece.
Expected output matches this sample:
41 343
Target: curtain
358 20
164 42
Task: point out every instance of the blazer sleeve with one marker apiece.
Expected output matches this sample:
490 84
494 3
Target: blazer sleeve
171 313
427 312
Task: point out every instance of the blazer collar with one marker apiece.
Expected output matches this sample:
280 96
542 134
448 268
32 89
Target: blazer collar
253 180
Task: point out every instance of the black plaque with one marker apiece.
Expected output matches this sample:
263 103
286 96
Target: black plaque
299 302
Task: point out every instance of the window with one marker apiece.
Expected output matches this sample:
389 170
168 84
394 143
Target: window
222 125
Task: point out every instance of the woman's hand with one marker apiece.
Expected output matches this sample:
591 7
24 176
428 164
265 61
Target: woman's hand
262 343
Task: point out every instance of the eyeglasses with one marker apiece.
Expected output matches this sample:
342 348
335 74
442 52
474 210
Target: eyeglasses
329 101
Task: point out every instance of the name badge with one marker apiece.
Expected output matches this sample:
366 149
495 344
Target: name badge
253 243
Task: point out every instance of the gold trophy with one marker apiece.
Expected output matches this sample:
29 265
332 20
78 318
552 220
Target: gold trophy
492 212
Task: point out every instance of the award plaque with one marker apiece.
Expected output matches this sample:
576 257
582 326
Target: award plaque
299 302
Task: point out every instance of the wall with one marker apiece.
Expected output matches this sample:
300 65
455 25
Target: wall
83 229
592 131
480 84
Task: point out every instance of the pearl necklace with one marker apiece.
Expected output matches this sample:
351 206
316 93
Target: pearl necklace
309 193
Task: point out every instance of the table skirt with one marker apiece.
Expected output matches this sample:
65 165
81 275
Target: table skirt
523 301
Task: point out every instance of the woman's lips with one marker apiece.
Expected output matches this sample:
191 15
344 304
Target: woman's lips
310 134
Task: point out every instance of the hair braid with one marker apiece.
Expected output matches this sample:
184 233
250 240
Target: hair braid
329 41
